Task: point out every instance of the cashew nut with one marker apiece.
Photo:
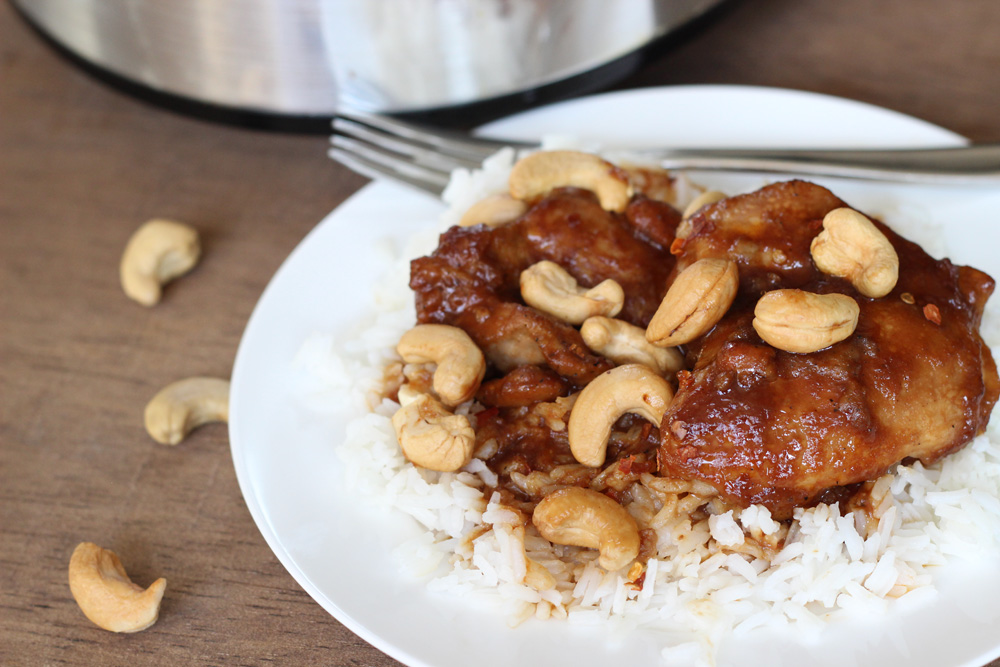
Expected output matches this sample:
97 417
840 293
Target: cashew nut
184 405
460 363
585 518
798 321
493 211
107 596
852 247
549 288
157 252
538 173
698 298
625 343
630 388
432 437
704 199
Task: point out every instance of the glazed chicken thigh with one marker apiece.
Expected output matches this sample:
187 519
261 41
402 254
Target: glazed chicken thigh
786 430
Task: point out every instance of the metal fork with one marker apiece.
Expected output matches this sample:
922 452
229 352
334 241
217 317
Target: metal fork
422 157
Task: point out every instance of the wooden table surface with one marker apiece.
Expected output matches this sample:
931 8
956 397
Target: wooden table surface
82 165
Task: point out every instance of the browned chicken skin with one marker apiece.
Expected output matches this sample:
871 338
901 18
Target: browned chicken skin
784 430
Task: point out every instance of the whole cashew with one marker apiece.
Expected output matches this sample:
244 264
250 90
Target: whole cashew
493 211
698 298
460 363
107 596
184 405
630 388
157 252
585 518
852 247
551 289
536 174
625 343
431 436
798 321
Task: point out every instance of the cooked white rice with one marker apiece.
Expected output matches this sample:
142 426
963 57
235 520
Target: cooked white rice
701 587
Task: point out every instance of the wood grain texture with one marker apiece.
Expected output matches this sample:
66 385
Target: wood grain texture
82 165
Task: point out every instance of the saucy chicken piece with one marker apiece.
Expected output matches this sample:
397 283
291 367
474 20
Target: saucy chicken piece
524 385
570 228
788 430
472 278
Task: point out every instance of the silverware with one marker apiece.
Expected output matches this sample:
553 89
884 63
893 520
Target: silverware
381 147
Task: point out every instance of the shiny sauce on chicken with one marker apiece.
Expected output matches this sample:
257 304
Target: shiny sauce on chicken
786 430
472 281
758 424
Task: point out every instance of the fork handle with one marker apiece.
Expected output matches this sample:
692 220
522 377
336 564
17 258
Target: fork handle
975 164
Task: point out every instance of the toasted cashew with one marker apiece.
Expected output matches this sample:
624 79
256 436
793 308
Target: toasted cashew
704 199
798 321
107 596
625 343
184 405
538 173
493 211
460 362
852 247
431 436
585 518
157 252
698 298
549 288
630 388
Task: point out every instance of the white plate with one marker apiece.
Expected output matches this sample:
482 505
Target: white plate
340 552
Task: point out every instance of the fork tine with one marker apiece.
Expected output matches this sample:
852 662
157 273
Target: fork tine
377 147
377 166
444 141
418 153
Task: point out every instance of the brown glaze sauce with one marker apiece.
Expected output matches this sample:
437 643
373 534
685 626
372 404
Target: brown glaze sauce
758 424
472 281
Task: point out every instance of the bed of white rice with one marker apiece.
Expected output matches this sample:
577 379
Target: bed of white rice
699 587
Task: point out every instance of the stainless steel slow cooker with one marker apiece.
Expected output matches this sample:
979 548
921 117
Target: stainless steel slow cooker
309 57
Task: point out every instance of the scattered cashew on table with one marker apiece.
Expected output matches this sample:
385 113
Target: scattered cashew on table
157 252
105 593
184 405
